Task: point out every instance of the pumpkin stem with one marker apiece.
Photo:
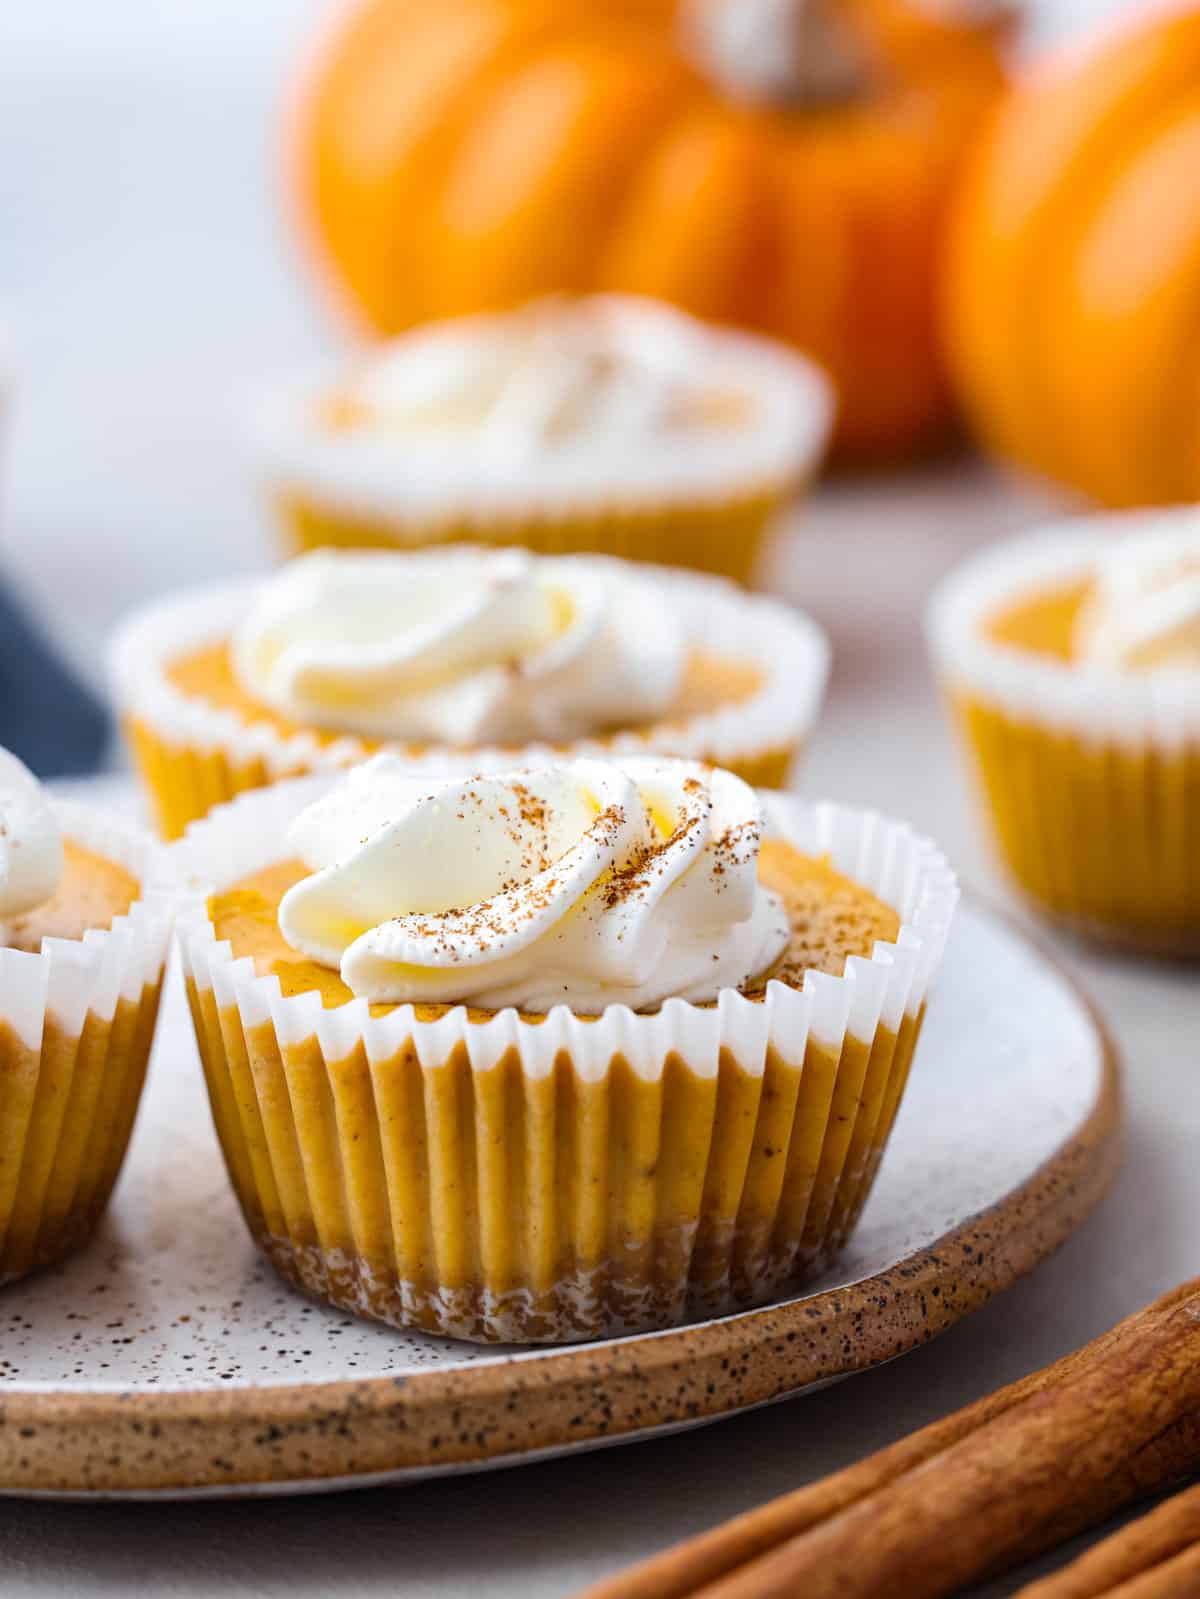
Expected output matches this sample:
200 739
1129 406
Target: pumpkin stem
783 52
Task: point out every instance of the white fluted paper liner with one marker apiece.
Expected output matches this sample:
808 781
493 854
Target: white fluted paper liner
649 1283
83 1015
71 980
369 473
789 649
1101 705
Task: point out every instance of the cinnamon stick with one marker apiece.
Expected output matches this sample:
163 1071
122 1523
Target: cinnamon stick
769 1543
1125 1423
1165 1545
1177 1579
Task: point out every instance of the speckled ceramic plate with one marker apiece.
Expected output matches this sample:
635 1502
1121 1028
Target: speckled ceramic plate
169 1360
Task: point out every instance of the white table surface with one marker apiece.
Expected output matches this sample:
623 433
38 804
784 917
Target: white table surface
146 278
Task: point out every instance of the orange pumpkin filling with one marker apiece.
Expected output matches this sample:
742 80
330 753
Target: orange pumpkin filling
710 683
831 919
92 894
1042 623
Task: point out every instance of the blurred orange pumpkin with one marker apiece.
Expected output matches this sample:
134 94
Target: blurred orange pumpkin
782 164
1073 286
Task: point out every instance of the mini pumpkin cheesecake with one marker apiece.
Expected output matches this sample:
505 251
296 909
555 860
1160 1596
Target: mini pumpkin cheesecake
85 917
546 1054
462 659
1071 659
607 423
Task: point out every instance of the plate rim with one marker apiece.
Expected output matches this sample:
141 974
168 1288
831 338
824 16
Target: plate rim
292 1437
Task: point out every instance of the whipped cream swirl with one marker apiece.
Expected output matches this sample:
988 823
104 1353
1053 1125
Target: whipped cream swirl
461 647
31 849
551 376
585 883
1144 612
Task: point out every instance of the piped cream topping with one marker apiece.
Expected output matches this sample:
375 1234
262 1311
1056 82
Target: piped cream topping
554 404
556 375
31 848
460 646
1144 611
584 883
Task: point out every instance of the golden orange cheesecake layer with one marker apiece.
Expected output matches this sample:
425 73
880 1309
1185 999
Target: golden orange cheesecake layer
1043 622
92 894
67 1106
499 1204
710 682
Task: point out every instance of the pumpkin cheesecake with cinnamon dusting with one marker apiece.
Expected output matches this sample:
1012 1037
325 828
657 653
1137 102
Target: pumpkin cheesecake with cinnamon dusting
543 1054
463 659
85 919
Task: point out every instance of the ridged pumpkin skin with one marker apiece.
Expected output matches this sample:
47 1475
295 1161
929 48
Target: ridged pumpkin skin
461 155
1073 283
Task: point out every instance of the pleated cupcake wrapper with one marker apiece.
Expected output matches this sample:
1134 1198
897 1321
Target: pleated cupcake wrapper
516 1180
723 536
193 755
1090 779
77 1021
